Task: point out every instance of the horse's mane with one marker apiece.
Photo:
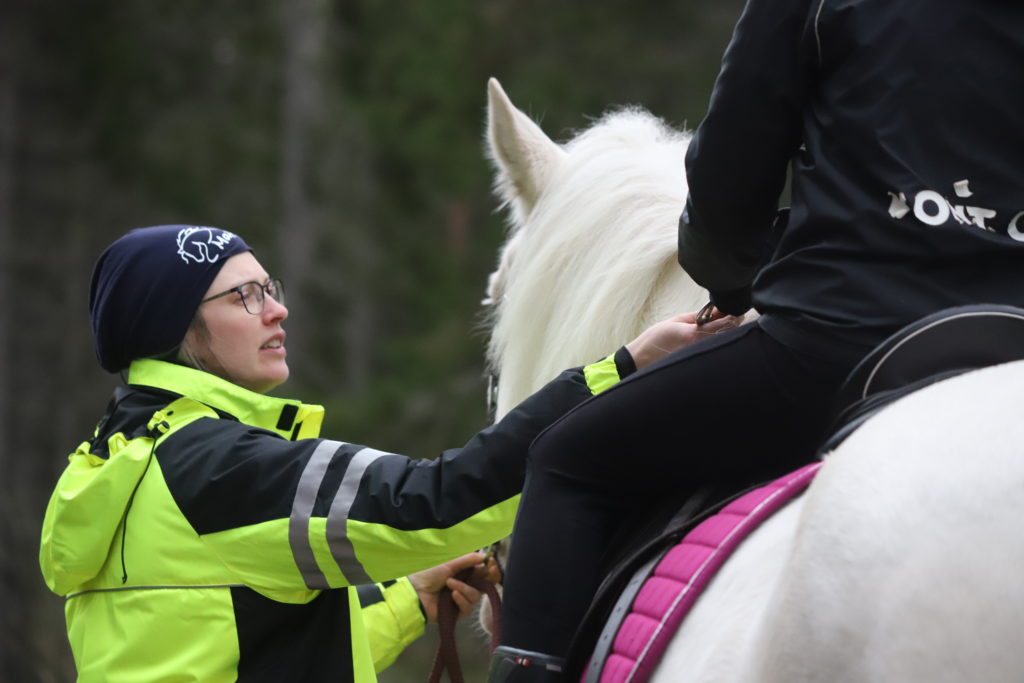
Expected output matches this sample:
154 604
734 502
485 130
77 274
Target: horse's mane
593 262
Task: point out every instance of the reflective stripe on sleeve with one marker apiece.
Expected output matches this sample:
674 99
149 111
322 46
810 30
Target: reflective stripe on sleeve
337 518
302 510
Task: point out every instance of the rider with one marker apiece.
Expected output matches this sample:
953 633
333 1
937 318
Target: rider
205 531
900 121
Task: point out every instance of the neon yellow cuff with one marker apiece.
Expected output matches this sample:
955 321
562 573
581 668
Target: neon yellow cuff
407 610
601 375
392 622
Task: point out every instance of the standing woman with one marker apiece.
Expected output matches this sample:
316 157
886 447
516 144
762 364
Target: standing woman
900 121
206 532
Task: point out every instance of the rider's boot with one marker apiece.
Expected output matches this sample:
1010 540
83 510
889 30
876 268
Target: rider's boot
512 665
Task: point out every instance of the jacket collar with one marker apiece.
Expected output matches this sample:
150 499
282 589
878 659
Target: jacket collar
289 418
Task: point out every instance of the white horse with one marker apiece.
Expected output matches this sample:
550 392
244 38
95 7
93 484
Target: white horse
902 561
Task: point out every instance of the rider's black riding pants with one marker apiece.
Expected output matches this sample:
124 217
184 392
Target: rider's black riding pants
737 408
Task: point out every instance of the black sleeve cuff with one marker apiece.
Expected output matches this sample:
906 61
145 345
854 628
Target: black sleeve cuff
732 302
624 363
423 610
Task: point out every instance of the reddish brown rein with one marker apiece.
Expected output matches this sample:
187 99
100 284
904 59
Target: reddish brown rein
447 656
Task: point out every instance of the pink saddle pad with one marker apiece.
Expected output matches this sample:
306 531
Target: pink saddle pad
681 575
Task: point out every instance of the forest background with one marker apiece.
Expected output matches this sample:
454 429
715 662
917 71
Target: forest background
343 140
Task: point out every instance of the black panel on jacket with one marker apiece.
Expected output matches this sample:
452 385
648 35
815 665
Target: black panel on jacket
280 641
490 468
369 594
128 412
225 475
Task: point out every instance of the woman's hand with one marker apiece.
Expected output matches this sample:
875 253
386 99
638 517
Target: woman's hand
662 338
429 582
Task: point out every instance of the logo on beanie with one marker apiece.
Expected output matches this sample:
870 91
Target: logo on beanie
203 245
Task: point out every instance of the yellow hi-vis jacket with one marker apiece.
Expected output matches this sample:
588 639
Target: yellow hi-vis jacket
207 533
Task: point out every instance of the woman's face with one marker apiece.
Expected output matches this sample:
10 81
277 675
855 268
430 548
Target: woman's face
232 343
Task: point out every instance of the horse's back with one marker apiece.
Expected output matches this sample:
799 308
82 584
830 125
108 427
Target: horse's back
906 563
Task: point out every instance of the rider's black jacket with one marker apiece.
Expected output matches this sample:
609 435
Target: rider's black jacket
903 122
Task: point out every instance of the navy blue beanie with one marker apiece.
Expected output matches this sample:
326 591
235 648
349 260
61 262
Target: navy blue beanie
147 285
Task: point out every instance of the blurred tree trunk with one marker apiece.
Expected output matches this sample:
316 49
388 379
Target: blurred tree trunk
351 279
305 23
8 135
360 324
325 171
11 557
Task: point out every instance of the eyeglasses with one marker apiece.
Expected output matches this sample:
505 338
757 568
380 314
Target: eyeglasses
253 294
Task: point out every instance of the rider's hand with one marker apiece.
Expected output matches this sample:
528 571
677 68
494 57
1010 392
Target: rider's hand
429 582
670 335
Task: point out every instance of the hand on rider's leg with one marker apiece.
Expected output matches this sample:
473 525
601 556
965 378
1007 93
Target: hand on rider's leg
667 336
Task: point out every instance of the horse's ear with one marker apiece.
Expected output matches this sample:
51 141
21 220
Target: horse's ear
525 157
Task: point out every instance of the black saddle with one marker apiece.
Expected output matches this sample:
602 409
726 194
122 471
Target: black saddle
939 346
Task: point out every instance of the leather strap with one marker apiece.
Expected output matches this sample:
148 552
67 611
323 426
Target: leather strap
447 656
